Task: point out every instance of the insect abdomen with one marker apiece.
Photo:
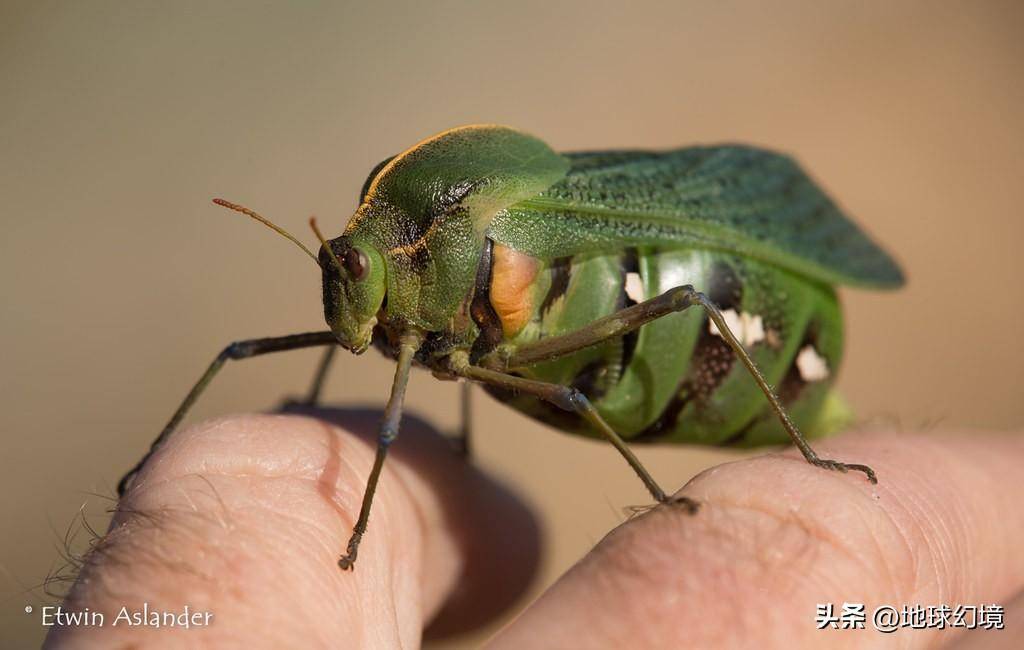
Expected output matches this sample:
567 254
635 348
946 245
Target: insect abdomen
676 380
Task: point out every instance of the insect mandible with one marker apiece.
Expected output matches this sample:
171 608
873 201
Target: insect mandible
564 284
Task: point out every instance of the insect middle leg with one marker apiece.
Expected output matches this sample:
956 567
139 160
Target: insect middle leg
570 399
631 318
237 350
312 397
461 439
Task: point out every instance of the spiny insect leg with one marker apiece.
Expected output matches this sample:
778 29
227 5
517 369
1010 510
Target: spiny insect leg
794 433
319 379
386 435
617 324
631 318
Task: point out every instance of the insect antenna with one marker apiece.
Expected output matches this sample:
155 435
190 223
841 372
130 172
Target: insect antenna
268 223
323 242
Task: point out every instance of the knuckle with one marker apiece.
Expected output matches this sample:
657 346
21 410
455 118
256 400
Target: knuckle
682 296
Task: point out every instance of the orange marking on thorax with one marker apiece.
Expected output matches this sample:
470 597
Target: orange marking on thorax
512 273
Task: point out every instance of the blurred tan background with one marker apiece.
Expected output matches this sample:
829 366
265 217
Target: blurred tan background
120 281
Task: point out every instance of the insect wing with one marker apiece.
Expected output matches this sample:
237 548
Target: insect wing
741 199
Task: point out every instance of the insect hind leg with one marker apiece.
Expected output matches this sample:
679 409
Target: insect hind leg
794 433
631 318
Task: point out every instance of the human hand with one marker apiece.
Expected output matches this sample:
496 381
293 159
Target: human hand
244 517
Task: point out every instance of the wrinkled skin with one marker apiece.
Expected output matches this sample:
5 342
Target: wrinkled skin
255 537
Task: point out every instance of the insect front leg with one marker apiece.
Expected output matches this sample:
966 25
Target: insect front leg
237 350
570 399
386 435
631 318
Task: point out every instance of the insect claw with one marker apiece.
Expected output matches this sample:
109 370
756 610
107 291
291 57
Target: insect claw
690 505
872 478
347 562
634 511
845 467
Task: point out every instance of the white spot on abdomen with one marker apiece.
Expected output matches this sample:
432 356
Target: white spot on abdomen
812 366
753 329
634 287
747 328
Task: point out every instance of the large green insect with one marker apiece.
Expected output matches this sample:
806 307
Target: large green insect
564 282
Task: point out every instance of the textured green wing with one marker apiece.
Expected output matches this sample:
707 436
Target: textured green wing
749 201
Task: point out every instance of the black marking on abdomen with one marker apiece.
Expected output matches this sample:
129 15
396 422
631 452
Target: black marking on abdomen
725 288
669 418
793 383
713 359
740 436
561 273
630 263
480 308
591 380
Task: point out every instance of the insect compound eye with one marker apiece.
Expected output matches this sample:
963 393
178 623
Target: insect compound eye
355 263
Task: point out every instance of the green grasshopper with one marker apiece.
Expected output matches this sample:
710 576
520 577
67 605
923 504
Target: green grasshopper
563 283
